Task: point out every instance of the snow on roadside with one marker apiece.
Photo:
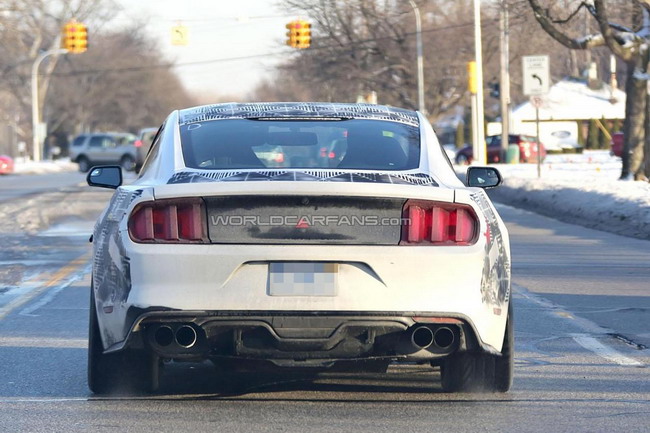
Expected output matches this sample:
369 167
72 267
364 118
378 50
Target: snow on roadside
22 166
582 189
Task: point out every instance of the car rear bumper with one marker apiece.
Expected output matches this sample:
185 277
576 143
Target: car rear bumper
300 338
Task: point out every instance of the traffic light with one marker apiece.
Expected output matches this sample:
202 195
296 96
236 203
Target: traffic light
495 89
74 37
299 34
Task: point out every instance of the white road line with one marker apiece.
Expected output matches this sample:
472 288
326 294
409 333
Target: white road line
44 342
36 288
587 341
590 343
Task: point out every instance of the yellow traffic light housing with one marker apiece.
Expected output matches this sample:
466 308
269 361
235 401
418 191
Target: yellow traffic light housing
471 78
299 34
74 37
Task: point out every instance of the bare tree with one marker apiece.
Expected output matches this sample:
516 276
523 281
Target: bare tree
368 45
121 83
627 36
28 27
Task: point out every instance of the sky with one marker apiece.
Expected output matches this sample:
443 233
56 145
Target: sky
217 29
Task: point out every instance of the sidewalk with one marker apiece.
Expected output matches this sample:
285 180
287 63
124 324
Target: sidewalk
22 166
580 189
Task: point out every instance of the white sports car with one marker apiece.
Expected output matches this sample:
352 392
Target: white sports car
300 235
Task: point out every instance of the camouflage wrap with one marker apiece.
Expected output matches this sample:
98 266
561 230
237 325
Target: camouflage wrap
495 283
421 179
289 110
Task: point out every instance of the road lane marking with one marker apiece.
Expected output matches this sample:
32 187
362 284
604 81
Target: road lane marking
51 294
587 341
590 343
44 342
39 289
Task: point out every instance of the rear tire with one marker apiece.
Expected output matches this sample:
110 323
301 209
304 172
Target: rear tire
84 164
504 365
475 372
462 160
127 163
126 371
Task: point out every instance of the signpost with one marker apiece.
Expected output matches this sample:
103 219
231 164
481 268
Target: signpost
537 79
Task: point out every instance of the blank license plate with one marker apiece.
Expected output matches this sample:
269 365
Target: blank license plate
303 279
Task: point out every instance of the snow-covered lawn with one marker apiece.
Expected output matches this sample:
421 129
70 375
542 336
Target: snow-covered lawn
580 188
22 166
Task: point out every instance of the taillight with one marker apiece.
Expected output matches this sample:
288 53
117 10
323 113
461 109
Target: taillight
169 221
137 143
432 223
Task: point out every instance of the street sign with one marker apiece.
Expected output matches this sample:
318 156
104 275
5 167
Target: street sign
179 35
536 75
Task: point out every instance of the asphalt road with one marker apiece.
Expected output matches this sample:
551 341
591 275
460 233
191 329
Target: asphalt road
582 303
13 186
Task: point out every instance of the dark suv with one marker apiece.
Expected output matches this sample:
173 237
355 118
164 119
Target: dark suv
88 150
527 149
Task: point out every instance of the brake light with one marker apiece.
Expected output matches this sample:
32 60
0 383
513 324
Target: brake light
137 143
169 221
432 223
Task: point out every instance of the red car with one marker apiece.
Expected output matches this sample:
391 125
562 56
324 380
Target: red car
527 149
616 145
6 164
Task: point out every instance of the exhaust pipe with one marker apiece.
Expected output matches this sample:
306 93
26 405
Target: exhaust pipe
422 337
186 336
164 336
443 337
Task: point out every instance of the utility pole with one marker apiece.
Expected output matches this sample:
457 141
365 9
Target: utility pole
418 33
481 157
504 85
36 116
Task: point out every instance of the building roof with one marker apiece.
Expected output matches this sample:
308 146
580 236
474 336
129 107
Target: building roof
572 99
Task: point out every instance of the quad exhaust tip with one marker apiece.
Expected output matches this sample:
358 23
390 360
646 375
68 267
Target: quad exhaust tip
164 336
443 337
422 337
186 336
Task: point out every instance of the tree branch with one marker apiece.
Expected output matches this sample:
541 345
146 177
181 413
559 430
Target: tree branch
608 34
547 24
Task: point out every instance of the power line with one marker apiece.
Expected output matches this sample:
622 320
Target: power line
239 58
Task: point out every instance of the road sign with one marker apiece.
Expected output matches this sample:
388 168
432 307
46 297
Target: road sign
179 35
536 75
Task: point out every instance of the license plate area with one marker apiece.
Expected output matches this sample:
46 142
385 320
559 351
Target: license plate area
303 279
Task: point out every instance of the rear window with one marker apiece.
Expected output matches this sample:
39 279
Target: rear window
125 139
148 136
343 144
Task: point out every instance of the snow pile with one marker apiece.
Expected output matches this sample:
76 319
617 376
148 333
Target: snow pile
22 166
581 189
572 99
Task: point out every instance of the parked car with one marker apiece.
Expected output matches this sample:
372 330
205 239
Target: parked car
222 251
616 144
527 149
88 150
6 164
142 145
450 150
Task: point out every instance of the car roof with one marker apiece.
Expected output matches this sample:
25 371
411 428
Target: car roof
297 110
